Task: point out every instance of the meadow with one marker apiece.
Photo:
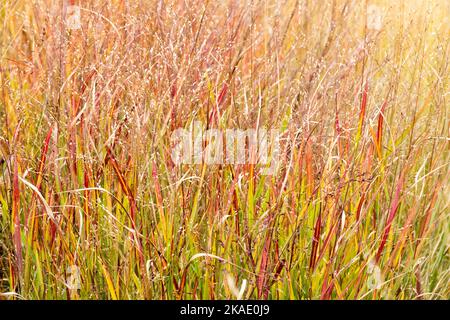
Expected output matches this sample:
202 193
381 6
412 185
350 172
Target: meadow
93 205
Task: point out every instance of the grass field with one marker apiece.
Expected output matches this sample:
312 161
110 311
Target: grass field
93 206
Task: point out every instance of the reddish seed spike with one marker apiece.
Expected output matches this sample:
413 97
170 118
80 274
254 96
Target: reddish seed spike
336 122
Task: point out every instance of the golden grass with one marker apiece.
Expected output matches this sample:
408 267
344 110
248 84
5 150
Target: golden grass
358 208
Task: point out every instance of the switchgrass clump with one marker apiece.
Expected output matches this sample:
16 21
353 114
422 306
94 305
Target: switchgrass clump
93 206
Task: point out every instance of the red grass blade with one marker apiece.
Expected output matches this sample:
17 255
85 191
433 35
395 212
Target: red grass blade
393 211
315 243
15 215
362 112
261 279
124 185
16 206
380 126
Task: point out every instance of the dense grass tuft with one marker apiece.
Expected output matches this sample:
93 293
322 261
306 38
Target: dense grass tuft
93 207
